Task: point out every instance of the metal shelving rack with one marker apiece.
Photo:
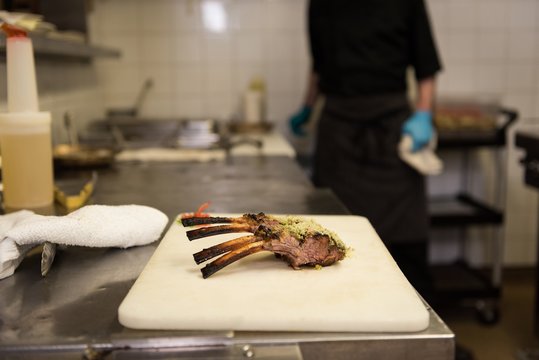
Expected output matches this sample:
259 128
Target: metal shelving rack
459 281
58 48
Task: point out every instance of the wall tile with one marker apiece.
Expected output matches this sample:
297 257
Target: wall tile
120 78
158 107
128 45
187 15
218 16
220 106
523 101
458 79
285 46
187 48
219 79
439 14
162 79
283 78
117 100
492 45
250 47
189 80
462 14
243 74
491 79
522 14
287 14
156 49
492 14
117 17
250 15
521 77
522 45
189 106
462 46
156 17
218 49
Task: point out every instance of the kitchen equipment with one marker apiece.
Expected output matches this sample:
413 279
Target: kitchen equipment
25 132
74 194
70 156
254 101
460 282
528 141
209 134
198 134
133 111
465 122
239 127
364 292
75 155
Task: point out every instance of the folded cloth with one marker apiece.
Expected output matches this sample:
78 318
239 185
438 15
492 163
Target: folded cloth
93 225
424 160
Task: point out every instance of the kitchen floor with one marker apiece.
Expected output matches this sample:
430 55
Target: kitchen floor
512 336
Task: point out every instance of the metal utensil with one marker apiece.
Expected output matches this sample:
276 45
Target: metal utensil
73 154
133 111
47 257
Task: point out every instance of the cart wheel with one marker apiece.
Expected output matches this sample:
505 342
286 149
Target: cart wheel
488 313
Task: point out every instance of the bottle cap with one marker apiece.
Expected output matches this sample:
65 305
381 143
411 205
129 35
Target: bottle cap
21 75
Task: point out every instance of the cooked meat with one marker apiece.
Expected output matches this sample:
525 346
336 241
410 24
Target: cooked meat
296 240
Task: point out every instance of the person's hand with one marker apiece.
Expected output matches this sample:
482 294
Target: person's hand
299 119
419 127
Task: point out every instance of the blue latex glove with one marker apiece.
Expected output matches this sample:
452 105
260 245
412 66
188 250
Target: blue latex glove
298 120
419 127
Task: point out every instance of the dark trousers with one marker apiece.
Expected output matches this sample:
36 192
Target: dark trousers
412 258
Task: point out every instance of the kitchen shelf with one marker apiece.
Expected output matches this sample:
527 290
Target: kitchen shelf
44 46
457 281
460 281
462 209
478 138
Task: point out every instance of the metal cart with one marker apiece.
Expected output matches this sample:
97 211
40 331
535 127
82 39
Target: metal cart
459 282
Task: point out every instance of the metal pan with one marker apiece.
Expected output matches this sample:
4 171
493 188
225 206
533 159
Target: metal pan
75 155
82 156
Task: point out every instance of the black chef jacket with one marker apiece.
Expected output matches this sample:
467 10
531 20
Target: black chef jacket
363 47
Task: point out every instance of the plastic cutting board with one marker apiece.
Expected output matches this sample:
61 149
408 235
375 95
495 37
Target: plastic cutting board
365 292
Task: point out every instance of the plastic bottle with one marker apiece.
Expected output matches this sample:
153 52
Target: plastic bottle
25 133
254 102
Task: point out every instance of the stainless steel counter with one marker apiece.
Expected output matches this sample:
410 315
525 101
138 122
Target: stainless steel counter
73 311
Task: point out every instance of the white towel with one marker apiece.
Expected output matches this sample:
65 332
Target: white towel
425 160
93 225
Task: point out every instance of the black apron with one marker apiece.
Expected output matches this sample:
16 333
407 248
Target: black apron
356 157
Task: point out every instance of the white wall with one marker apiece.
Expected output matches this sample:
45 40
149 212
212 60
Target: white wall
491 47
202 54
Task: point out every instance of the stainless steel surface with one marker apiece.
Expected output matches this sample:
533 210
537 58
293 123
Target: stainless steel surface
73 311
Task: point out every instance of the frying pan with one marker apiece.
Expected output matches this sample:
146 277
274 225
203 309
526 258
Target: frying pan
75 155
69 156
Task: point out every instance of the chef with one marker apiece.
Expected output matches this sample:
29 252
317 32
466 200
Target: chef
361 50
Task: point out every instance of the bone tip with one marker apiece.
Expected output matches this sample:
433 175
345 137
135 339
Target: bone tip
208 271
185 221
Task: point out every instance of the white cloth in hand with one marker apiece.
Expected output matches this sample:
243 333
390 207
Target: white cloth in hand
93 225
424 160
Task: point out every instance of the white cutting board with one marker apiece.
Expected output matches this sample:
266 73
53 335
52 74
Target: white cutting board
364 292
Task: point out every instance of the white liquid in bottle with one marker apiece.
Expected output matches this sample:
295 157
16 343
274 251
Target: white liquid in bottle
25 133
27 170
